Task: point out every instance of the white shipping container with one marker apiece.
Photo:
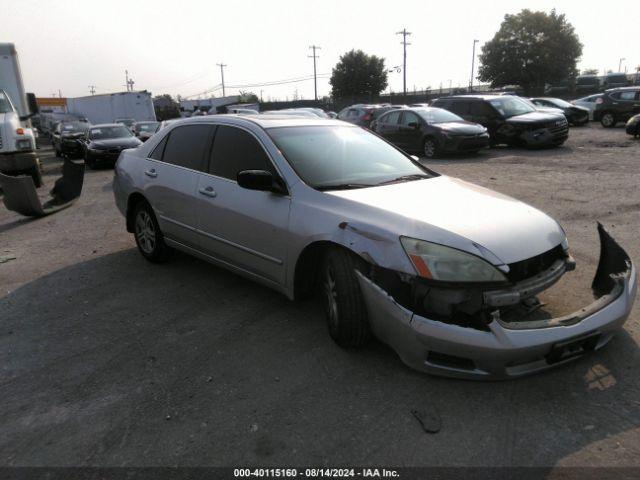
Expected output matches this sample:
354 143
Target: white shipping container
107 107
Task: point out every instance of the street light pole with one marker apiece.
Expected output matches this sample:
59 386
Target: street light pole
404 42
620 64
473 64
222 65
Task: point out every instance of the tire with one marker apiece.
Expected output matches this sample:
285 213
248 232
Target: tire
430 148
608 120
148 236
342 299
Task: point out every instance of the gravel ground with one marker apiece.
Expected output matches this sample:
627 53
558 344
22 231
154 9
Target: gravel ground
108 360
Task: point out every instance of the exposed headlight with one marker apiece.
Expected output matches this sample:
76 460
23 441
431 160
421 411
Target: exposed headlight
447 264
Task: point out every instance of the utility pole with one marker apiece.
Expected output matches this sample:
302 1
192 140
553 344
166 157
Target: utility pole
92 89
315 78
404 42
126 79
620 64
222 65
473 65
59 93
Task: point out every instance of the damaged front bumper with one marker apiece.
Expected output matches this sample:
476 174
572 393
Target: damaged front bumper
507 349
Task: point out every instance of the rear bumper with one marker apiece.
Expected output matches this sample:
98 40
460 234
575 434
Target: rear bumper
507 350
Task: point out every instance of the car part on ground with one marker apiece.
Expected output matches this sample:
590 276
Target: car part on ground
617 105
21 196
509 119
431 131
633 126
448 271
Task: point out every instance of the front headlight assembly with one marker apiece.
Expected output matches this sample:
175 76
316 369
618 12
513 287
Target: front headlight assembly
446 264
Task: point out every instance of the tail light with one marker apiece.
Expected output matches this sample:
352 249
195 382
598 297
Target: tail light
20 131
599 101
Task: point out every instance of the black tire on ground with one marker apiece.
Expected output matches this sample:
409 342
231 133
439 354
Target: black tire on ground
148 236
608 120
430 148
342 299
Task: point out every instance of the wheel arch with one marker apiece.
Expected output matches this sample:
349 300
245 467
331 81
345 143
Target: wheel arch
134 200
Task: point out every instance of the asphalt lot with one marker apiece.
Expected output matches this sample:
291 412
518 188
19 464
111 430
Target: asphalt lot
108 360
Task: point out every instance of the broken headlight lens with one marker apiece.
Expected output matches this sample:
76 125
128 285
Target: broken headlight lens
447 264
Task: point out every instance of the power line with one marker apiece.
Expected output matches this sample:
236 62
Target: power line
315 78
404 42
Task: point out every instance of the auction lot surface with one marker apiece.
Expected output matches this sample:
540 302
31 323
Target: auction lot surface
109 360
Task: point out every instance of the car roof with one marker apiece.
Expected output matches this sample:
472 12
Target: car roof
622 89
267 121
103 125
474 97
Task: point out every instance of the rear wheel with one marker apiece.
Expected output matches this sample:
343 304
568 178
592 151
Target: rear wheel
342 299
149 238
608 120
430 148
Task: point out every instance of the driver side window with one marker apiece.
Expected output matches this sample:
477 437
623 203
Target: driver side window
409 117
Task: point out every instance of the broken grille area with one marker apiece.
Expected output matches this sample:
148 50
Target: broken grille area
530 267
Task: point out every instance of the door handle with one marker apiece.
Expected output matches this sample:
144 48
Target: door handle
208 192
151 173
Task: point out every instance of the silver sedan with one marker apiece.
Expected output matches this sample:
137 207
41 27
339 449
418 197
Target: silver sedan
444 271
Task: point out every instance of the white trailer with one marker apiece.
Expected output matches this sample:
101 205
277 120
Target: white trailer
17 141
107 107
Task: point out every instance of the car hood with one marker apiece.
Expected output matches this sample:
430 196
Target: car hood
461 128
125 142
579 108
538 116
428 209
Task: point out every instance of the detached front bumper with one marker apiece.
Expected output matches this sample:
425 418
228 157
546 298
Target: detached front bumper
508 349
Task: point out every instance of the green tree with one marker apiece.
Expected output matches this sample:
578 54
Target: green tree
248 97
590 71
531 49
358 74
166 107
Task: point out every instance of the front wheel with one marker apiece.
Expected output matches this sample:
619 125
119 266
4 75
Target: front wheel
342 299
430 148
149 238
608 120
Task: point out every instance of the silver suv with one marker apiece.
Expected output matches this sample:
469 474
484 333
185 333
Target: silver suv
442 270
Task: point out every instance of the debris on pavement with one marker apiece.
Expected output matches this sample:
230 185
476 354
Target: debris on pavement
430 421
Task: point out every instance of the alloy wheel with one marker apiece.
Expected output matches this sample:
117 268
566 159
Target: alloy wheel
145 232
607 119
330 297
429 148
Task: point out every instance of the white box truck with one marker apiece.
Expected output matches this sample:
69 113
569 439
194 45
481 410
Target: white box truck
17 141
107 108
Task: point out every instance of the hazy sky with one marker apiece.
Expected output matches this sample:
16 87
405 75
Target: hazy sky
173 46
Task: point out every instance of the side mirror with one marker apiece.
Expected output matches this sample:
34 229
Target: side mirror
260 180
414 125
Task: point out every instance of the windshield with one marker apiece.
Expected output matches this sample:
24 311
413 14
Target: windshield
335 157
147 127
74 127
437 115
558 102
510 106
103 133
5 104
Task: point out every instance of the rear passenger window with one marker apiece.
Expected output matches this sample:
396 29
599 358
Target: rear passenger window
461 108
392 118
480 109
186 146
157 152
235 150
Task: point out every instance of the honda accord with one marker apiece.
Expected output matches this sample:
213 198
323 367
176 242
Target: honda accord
444 271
